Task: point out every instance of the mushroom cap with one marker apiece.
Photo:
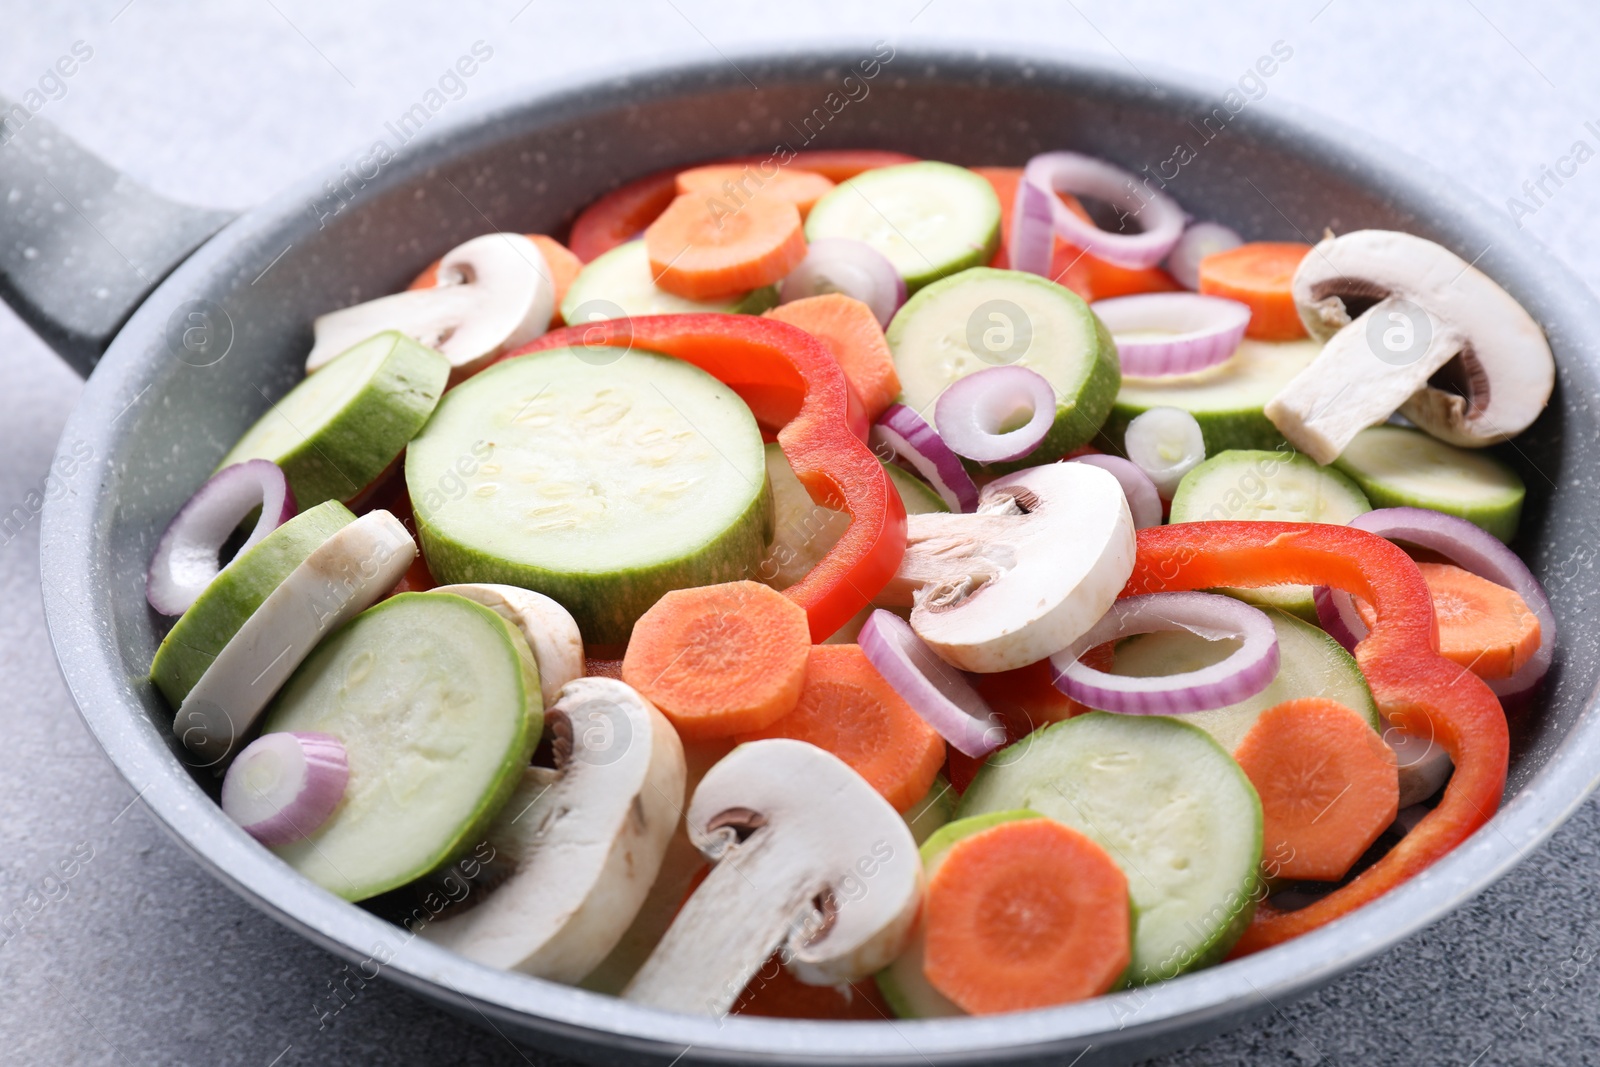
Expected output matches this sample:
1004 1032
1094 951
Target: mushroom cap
1506 368
1039 563
831 831
586 840
494 294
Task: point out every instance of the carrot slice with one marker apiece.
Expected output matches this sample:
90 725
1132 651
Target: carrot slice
1089 276
621 215
842 164
1023 915
1485 627
699 251
720 660
1327 782
848 709
734 183
851 331
1259 274
564 266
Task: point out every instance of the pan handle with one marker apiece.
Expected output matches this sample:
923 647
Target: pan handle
81 244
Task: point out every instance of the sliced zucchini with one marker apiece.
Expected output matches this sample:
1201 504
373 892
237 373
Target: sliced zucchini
436 701
601 486
929 219
984 317
1310 664
1227 400
233 596
1397 467
620 284
1167 803
1248 485
335 432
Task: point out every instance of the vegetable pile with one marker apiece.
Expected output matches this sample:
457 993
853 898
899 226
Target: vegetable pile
864 586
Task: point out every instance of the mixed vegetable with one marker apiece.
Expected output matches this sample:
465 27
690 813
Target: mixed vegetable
865 586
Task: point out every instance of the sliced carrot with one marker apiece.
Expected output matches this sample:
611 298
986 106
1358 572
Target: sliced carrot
848 709
734 183
1485 627
842 164
699 251
720 660
621 215
1023 915
564 266
1327 782
1089 276
851 331
774 993
1259 274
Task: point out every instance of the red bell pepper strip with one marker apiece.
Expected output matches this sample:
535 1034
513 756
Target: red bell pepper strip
1419 690
622 214
823 438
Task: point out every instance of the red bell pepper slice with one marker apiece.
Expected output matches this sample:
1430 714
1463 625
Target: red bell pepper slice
622 214
823 435
1419 690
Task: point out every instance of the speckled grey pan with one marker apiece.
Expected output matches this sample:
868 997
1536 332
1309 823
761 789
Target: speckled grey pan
154 421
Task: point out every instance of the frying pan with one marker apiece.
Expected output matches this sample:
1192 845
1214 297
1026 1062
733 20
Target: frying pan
203 321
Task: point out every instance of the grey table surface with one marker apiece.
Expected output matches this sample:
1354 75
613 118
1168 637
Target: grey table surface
140 958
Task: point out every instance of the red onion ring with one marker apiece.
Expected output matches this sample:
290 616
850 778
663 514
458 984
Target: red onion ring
903 433
854 268
1198 241
1469 547
937 691
1242 675
1069 172
1195 331
970 412
1031 242
188 555
1144 502
285 785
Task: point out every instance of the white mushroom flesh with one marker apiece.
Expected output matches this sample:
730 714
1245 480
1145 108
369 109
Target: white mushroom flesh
585 840
494 294
809 861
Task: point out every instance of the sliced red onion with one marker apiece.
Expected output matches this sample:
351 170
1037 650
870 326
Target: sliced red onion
937 691
1240 676
907 435
1144 503
1160 334
972 412
1032 240
189 554
285 785
1165 443
1472 549
1199 241
1068 172
854 268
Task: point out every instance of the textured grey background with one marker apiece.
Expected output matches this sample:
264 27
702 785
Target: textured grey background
141 959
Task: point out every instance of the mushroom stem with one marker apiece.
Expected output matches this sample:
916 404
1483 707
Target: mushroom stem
1356 382
732 924
947 550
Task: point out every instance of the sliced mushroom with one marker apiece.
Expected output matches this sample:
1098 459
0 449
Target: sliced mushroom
342 577
494 294
809 862
551 631
585 841
1423 763
1038 563
1409 326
